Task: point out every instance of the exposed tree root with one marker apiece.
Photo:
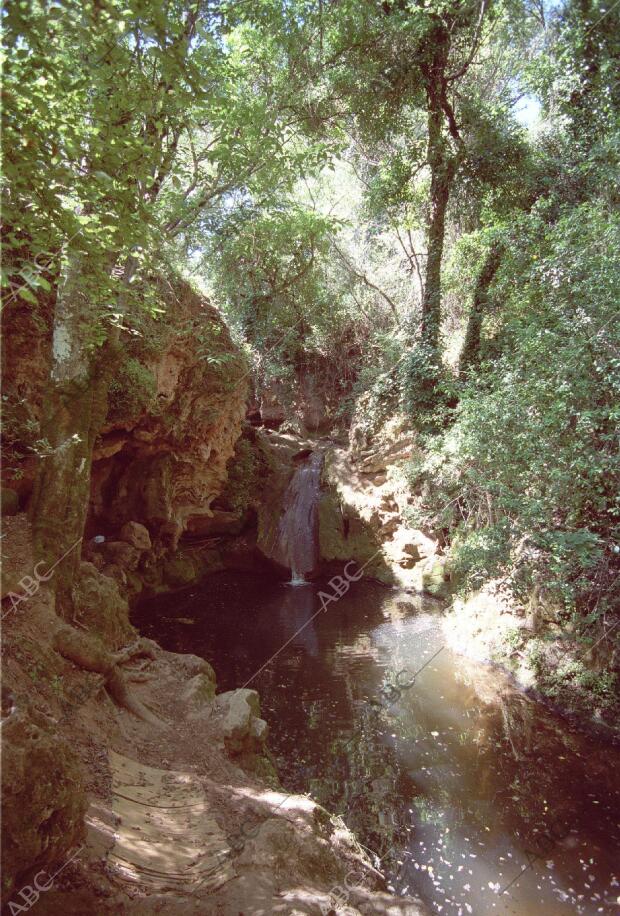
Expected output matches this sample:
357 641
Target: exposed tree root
138 677
90 654
142 647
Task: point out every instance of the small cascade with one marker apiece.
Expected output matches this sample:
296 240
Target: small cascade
298 528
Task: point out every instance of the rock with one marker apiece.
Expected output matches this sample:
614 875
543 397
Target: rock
313 414
43 800
134 582
259 730
137 535
346 536
194 664
412 550
99 604
169 534
9 501
293 426
113 571
152 576
372 463
179 425
179 571
242 727
218 524
175 412
436 578
98 560
271 506
199 691
390 527
185 568
294 848
272 410
121 553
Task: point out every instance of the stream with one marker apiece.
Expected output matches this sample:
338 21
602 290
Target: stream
470 794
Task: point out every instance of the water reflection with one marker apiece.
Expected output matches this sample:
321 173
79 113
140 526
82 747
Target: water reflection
457 783
296 613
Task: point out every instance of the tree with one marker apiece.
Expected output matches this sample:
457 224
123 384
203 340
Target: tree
470 353
404 71
125 124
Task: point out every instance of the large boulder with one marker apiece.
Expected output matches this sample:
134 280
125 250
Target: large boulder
121 553
199 691
99 604
185 567
180 570
137 535
242 728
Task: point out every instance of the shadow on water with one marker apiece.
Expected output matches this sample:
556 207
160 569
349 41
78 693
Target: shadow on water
459 783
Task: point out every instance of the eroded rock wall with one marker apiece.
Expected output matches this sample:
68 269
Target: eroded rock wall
165 462
362 517
176 406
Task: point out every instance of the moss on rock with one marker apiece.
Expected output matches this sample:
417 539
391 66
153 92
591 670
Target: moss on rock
185 567
437 578
343 536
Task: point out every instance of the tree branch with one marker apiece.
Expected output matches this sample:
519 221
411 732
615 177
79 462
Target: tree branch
362 276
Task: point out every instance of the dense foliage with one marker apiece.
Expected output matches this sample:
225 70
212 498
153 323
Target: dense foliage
353 184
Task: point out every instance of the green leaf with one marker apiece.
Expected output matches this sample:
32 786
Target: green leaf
27 294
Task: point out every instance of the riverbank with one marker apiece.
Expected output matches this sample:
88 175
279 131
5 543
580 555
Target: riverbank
66 743
440 765
549 664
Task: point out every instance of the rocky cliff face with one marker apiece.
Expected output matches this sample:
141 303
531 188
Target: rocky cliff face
308 401
363 512
175 412
163 462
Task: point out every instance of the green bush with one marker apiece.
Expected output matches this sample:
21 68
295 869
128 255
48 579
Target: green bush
428 390
529 467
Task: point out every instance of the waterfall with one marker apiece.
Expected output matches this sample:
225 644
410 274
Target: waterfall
298 528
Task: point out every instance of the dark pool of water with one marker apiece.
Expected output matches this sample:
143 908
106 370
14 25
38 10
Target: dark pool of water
471 795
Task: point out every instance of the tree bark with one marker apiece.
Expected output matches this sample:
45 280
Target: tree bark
442 174
442 160
470 354
74 411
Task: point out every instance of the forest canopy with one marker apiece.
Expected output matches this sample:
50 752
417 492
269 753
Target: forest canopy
423 195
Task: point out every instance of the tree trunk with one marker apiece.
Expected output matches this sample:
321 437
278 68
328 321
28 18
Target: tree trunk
470 354
74 411
441 180
442 161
